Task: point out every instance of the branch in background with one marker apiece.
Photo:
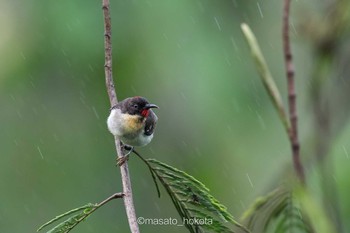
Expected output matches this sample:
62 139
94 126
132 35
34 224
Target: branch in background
266 76
128 201
291 95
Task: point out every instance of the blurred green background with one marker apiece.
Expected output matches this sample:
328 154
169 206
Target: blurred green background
216 121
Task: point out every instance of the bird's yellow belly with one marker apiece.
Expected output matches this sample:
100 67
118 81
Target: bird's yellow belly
132 125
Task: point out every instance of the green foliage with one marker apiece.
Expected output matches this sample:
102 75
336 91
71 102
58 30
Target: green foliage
199 210
280 211
192 200
317 215
81 213
277 212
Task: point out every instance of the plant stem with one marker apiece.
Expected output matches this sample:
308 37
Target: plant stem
128 200
114 196
265 75
150 169
291 95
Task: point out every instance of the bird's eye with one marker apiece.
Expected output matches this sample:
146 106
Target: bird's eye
136 106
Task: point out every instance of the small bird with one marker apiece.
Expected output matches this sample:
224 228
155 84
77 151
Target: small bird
133 122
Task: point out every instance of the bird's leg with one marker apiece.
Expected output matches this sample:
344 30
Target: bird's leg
127 150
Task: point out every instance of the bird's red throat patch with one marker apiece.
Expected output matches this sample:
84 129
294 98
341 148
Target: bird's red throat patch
145 112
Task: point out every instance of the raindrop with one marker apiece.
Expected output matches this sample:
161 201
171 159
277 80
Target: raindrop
41 154
151 150
82 100
261 14
27 209
19 114
193 19
234 190
228 61
217 23
91 68
133 89
261 121
69 27
35 111
346 152
96 114
183 95
13 97
157 207
198 152
33 85
335 179
200 5
250 181
294 29
55 137
82 94
165 36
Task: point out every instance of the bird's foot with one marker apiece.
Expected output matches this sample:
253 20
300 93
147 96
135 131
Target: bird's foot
122 160
127 150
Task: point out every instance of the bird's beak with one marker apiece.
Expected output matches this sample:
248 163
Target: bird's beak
148 106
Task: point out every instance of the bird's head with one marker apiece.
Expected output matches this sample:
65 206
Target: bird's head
138 106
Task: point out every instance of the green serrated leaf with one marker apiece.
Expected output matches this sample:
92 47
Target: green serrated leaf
209 222
85 207
179 172
277 212
68 224
187 192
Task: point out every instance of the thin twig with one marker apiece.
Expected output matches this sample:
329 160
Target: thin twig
128 200
114 196
291 95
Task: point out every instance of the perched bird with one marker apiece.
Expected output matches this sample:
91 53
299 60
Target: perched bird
133 122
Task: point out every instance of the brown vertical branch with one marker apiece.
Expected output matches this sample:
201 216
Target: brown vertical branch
128 200
291 95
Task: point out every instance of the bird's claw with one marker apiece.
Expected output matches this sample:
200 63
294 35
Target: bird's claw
122 160
126 151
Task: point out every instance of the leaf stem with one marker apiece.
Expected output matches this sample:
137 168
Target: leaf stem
150 169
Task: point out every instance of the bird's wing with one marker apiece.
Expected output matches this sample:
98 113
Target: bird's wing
120 105
150 123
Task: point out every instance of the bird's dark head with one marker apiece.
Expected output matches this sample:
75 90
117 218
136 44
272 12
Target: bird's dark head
138 106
